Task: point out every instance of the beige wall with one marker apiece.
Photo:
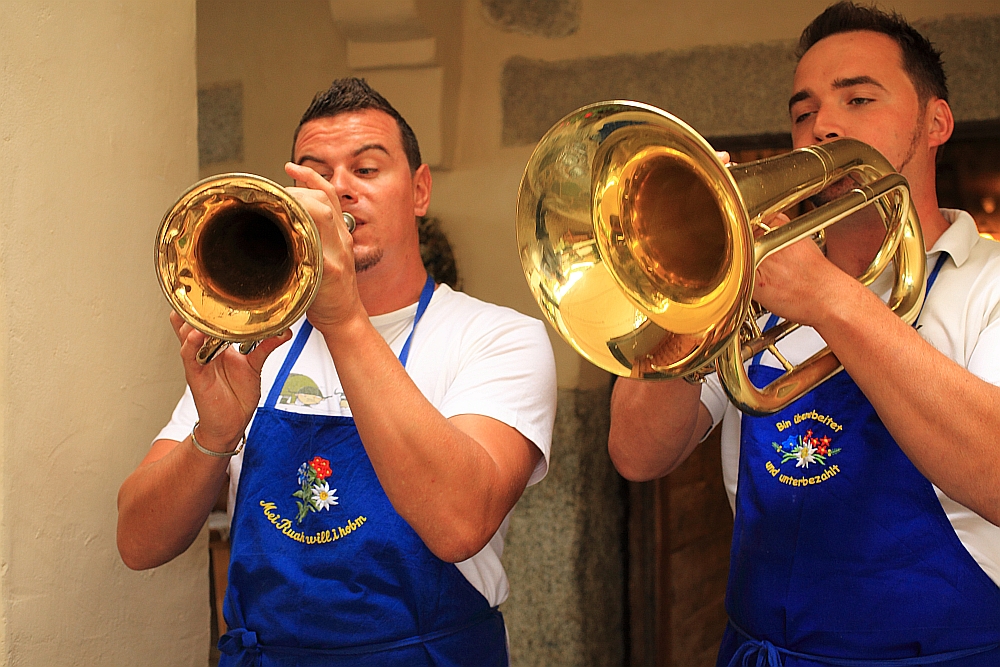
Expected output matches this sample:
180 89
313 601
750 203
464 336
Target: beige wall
97 136
283 53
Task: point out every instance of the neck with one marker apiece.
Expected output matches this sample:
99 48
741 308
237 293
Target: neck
923 195
384 289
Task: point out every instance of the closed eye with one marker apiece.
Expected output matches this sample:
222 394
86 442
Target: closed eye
802 117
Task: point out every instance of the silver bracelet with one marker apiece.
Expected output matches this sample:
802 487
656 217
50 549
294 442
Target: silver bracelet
239 447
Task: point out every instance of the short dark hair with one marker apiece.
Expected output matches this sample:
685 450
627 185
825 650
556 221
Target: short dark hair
354 94
921 61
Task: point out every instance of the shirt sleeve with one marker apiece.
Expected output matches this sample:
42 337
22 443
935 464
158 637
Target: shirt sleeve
985 359
508 373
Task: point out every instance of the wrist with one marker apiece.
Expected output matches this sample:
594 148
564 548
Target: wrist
219 448
341 329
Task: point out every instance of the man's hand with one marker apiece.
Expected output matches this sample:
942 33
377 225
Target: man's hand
338 301
227 389
798 282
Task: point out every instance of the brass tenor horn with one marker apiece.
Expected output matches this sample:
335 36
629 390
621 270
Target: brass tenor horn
638 244
239 259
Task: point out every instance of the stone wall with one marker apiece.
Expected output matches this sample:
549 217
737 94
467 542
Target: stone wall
728 91
565 553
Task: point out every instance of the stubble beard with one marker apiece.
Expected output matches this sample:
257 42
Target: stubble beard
368 260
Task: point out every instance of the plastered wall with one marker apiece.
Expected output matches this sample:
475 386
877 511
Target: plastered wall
97 134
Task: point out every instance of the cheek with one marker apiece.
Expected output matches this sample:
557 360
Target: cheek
802 135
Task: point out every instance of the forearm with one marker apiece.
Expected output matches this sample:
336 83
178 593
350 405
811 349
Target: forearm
937 411
164 503
452 489
654 426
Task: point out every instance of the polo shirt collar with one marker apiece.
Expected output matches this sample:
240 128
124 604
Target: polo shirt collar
959 238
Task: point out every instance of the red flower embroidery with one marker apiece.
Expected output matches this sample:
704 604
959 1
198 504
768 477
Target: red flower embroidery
321 467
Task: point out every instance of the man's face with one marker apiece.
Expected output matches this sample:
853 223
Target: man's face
853 85
361 153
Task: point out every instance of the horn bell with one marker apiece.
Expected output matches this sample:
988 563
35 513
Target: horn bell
634 240
640 246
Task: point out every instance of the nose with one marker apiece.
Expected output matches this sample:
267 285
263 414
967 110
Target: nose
343 183
827 125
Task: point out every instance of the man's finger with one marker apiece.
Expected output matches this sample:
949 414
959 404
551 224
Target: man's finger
260 353
309 178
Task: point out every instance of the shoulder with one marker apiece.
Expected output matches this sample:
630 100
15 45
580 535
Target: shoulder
461 314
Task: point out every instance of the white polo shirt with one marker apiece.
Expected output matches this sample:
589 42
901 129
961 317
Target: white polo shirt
961 319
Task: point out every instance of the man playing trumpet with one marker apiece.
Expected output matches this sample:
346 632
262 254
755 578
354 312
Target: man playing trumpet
368 520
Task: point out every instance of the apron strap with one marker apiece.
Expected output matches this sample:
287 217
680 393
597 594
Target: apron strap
303 336
293 355
930 282
243 642
425 298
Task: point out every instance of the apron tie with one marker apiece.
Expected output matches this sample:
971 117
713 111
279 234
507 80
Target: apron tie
767 654
243 642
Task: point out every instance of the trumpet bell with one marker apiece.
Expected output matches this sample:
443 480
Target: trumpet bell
238 258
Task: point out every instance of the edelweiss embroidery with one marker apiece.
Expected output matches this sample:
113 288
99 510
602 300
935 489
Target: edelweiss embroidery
805 449
808 450
315 493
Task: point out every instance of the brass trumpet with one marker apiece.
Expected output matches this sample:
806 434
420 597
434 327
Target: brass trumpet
638 244
239 259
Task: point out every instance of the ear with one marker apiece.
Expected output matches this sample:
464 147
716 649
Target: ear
421 190
940 122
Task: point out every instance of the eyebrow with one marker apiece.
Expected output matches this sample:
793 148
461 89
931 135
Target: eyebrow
838 84
371 147
356 153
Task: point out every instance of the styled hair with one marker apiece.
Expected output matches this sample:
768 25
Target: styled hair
353 94
921 61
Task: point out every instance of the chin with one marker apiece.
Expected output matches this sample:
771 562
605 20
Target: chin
366 260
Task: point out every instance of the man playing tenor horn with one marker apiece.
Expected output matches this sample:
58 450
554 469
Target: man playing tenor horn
866 512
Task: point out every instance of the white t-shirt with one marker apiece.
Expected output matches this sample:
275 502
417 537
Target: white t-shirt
960 318
466 357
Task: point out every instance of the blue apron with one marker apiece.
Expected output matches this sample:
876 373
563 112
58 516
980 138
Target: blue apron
842 553
324 571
